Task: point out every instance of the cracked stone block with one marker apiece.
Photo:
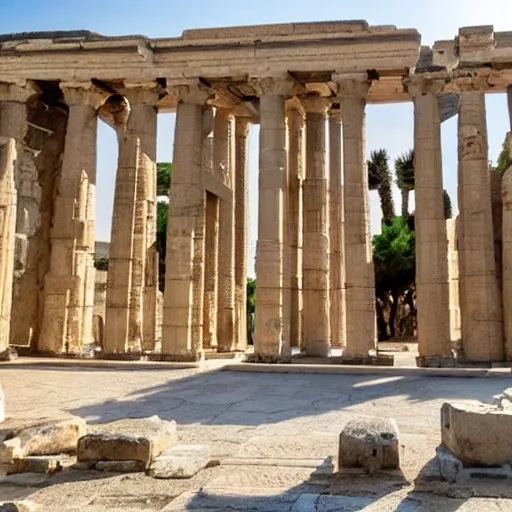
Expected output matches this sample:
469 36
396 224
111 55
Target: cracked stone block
41 464
128 440
182 461
449 466
371 444
477 434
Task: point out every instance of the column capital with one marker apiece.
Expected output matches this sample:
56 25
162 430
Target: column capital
142 94
83 93
421 86
335 115
476 83
242 126
352 85
295 105
189 91
316 104
19 92
272 85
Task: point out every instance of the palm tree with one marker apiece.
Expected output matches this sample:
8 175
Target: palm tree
404 169
447 205
379 178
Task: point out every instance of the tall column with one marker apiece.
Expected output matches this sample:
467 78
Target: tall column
223 166
336 227
7 230
268 332
182 333
315 263
120 271
65 327
481 318
241 216
359 273
296 140
509 101
432 288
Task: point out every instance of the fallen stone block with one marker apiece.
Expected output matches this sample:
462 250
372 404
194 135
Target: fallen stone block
372 444
182 461
19 506
41 464
138 439
121 466
25 479
47 438
449 466
477 434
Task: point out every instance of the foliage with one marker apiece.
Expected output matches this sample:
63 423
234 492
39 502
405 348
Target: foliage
394 257
251 295
447 202
162 208
101 263
504 160
163 178
379 178
404 170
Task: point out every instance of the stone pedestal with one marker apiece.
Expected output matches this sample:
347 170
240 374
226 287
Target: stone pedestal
223 162
268 335
336 227
241 222
7 241
315 264
360 279
432 290
481 317
182 332
296 140
68 307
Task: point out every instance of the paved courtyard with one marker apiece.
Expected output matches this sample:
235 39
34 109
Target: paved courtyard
273 436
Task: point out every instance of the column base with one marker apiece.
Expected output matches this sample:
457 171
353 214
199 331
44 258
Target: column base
121 356
267 359
378 360
435 362
178 358
9 354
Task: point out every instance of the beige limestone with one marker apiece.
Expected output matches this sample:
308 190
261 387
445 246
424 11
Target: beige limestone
223 161
182 330
360 280
336 229
506 188
119 280
67 322
8 198
268 332
296 152
181 461
241 229
453 281
431 243
315 265
481 317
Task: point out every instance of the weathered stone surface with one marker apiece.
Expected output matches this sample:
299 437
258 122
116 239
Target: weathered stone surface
372 444
449 465
138 439
477 434
47 438
2 405
41 464
19 506
121 466
182 461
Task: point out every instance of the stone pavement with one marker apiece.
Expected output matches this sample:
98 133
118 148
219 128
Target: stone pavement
273 436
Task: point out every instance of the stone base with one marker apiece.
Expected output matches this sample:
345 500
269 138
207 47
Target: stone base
177 358
28 352
435 362
8 355
126 356
378 360
267 359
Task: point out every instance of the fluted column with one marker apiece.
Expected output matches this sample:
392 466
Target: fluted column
509 101
432 286
315 263
182 336
359 273
241 216
336 227
296 146
223 161
65 327
268 334
7 230
481 317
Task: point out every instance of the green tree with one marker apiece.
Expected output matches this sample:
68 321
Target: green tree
404 169
379 178
163 178
447 205
504 160
251 295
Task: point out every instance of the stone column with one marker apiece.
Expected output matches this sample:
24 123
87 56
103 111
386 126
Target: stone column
7 230
336 227
509 101
268 332
481 317
315 265
432 290
182 332
453 281
359 273
120 271
66 326
223 167
296 140
241 216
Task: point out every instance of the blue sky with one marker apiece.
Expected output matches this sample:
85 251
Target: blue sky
388 126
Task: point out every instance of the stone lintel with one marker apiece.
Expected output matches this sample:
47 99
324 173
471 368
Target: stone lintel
469 82
418 86
19 92
278 85
83 93
190 91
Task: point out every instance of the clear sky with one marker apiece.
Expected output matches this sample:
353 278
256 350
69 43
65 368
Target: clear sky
388 126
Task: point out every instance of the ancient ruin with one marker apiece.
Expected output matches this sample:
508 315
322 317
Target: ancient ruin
315 280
